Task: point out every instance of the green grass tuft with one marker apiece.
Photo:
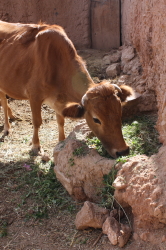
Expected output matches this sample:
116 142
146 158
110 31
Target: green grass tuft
44 191
108 189
96 143
3 228
140 134
81 151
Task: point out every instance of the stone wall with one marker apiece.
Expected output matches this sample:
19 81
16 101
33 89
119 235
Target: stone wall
144 26
88 23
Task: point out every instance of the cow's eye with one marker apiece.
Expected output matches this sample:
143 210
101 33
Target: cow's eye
96 120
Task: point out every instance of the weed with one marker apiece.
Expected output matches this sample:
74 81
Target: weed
25 140
108 199
108 189
81 151
96 143
71 162
84 241
140 134
44 190
3 229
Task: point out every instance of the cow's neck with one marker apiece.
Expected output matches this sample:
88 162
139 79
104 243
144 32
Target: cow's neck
81 82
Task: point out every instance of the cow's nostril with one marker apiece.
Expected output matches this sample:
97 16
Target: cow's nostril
123 153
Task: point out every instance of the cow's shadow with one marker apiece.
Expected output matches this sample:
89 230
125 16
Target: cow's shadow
1 128
2 137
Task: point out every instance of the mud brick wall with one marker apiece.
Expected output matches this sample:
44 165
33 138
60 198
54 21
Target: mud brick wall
144 26
105 24
88 23
73 15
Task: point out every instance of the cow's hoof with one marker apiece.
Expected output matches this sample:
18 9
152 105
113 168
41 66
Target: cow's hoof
6 133
37 151
2 139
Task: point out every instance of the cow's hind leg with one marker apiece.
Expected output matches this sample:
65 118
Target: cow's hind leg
12 116
37 121
60 121
6 108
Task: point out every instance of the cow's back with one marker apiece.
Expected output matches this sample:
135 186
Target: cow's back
40 58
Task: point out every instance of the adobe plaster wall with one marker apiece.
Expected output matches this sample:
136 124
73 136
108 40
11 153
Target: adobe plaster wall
88 23
105 24
144 26
73 15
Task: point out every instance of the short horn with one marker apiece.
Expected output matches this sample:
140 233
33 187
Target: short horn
117 87
84 98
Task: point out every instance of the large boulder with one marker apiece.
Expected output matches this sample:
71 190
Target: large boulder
140 185
113 70
80 168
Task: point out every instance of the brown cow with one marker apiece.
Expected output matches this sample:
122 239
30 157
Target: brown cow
39 63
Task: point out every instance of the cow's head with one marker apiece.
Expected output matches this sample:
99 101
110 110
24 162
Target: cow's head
101 107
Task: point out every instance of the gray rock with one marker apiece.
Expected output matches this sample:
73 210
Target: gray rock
113 70
118 233
91 215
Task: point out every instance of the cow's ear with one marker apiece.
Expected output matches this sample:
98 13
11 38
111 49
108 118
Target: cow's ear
125 92
74 110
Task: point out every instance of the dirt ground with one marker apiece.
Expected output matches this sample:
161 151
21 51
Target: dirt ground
57 232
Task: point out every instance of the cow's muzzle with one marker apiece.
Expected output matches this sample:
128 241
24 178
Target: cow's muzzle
123 153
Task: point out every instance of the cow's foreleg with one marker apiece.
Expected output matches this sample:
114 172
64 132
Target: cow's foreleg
37 121
6 109
60 121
